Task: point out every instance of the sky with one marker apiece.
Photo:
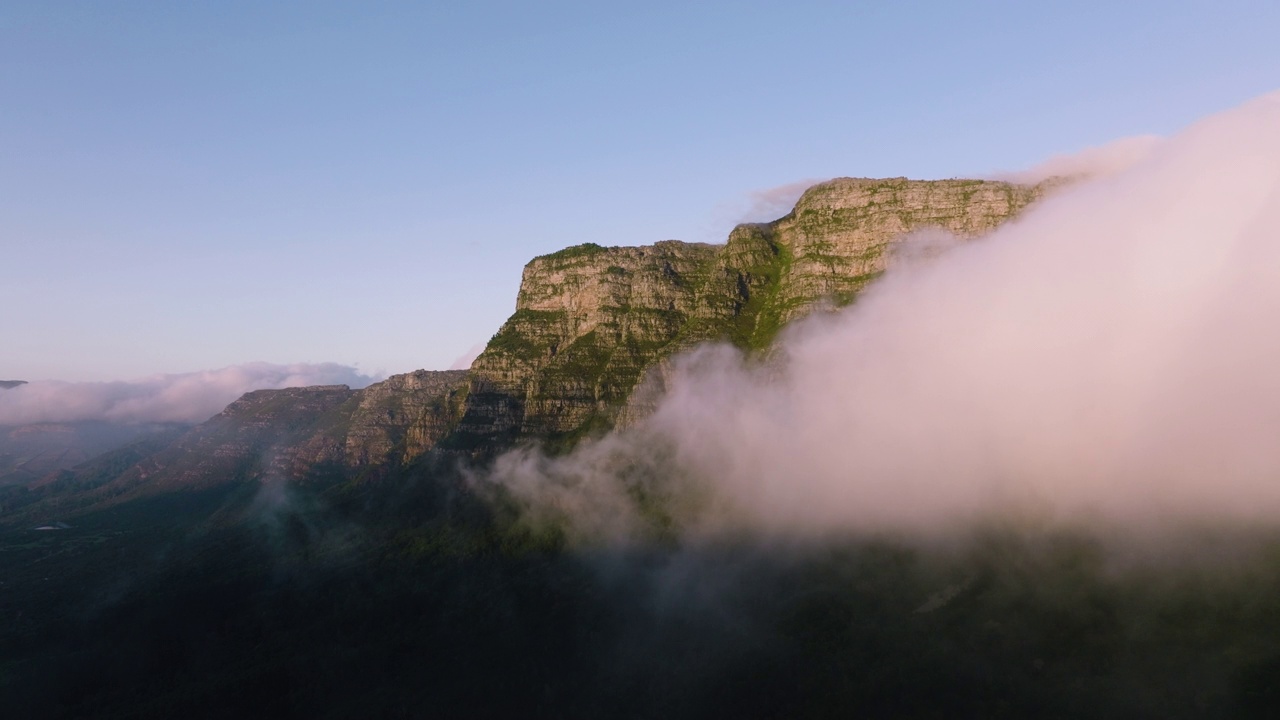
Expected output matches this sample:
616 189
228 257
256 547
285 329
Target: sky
192 186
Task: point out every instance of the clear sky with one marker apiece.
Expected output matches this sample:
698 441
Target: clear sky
195 185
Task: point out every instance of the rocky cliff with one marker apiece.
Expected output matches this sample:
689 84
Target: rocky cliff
591 321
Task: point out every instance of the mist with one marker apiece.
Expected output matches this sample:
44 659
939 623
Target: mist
1107 359
1099 161
182 397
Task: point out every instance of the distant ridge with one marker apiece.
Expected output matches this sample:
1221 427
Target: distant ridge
7 384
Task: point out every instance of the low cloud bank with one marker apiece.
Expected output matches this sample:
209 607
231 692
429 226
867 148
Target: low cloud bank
184 397
1111 356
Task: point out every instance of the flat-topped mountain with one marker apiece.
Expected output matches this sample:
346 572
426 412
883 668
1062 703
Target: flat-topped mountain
591 321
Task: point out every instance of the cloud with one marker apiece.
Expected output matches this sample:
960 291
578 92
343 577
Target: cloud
758 206
464 360
772 203
1099 161
1111 357
185 397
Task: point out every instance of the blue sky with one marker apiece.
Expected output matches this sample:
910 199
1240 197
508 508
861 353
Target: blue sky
195 185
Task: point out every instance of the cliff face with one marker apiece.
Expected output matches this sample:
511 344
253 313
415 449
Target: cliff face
590 322
836 239
402 417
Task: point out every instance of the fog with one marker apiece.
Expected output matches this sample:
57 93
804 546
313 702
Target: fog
183 397
769 203
1096 162
1109 358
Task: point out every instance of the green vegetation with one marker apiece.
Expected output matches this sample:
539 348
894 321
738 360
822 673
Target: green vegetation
421 596
514 338
761 317
574 252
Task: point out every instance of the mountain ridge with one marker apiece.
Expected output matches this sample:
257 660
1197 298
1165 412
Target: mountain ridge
591 325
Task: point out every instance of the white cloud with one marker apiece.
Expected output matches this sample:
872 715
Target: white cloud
464 360
1095 162
772 203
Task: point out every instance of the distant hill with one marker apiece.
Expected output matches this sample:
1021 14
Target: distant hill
29 452
8 384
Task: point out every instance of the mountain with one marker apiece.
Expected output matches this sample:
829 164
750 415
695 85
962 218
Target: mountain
591 325
9 384
322 551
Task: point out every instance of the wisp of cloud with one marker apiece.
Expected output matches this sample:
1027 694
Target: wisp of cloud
1100 161
183 397
1109 357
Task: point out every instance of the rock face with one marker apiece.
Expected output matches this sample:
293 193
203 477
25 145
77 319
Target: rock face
590 321
404 416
